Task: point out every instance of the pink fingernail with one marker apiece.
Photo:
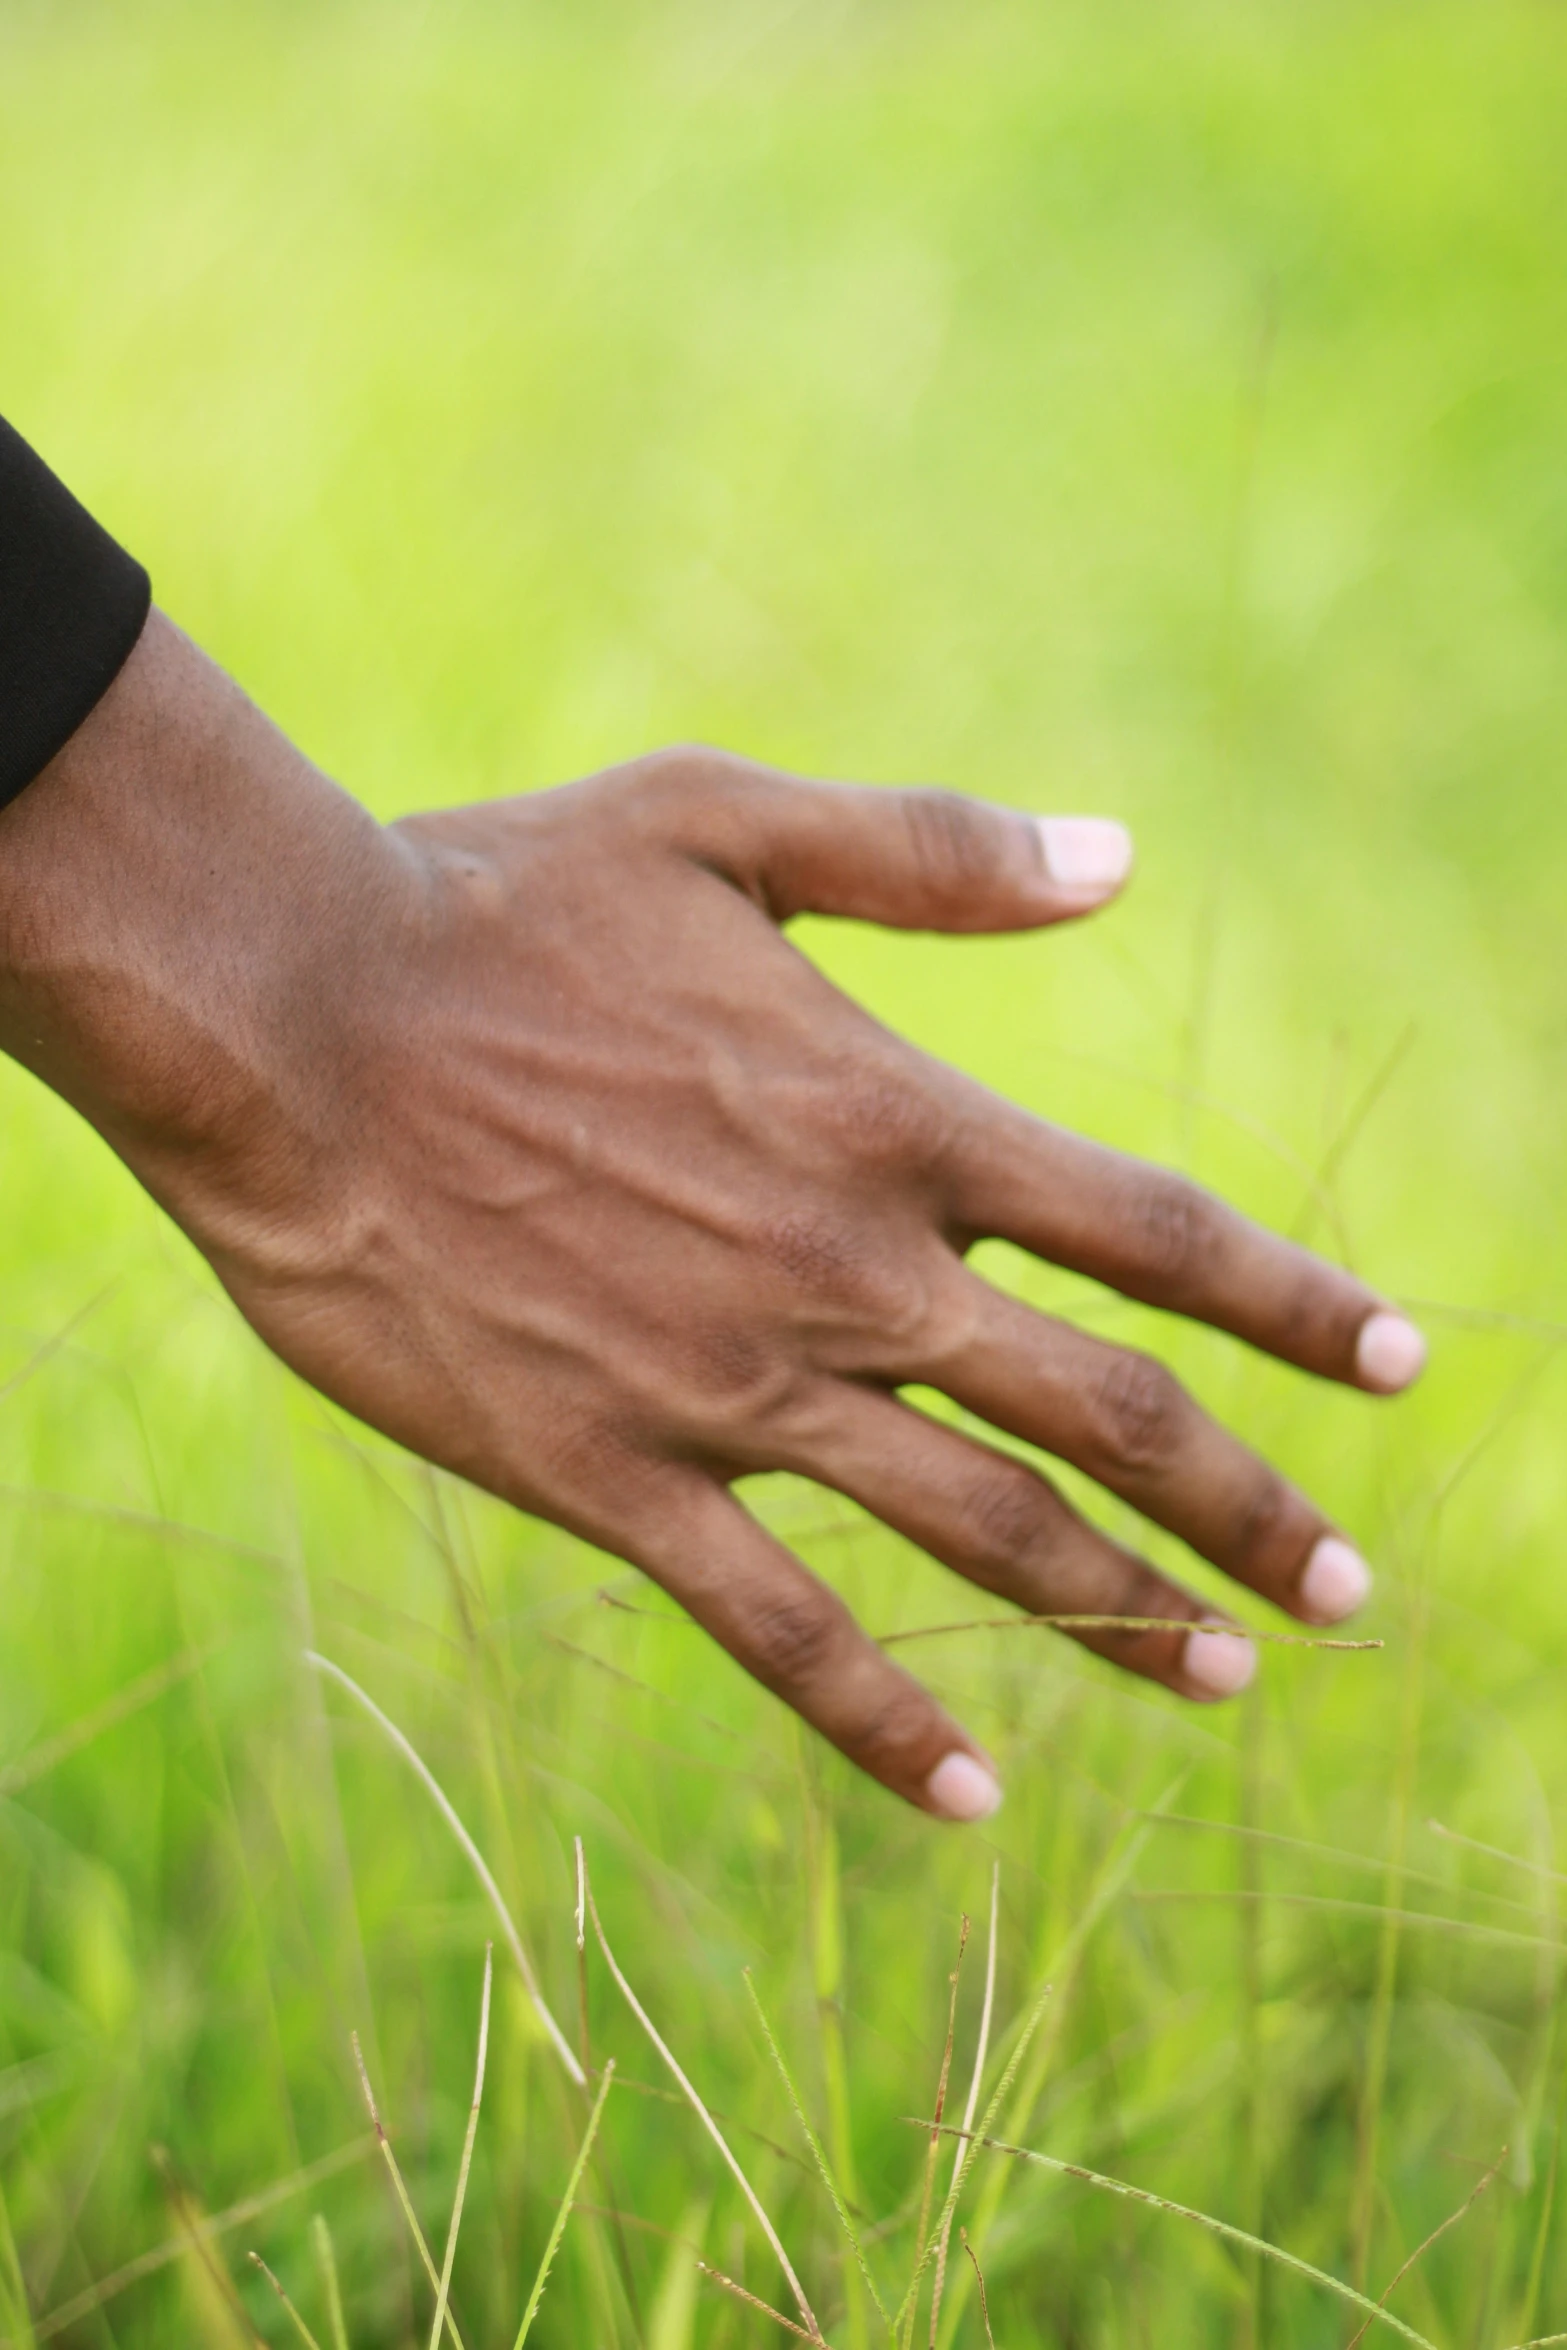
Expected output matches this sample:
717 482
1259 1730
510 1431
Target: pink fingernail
962 1789
1389 1352
1219 1664
1336 1581
1087 853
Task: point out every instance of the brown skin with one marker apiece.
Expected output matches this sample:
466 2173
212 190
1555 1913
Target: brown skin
525 1134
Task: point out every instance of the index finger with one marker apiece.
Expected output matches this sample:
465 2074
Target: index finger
1157 1237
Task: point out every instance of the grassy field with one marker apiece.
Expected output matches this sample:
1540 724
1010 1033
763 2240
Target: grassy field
1147 408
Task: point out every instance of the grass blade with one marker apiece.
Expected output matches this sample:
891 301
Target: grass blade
817 2150
13 2286
400 2188
298 2323
706 2119
469 2135
998 2099
475 1857
1372 2310
326 2261
146 2264
566 2202
144 1691
1514 1860
976 2078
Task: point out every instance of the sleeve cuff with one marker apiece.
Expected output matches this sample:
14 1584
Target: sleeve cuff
72 605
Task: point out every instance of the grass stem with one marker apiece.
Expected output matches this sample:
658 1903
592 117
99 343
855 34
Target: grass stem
475 1857
566 2203
400 2189
1375 2313
706 2119
444 2292
298 2323
828 2179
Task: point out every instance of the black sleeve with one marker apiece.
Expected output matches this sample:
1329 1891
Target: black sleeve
72 604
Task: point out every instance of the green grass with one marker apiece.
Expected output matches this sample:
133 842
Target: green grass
1154 408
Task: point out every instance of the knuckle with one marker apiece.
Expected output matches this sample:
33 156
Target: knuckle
591 1456
793 1637
848 1278
1138 1410
682 779
953 843
1174 1228
894 1731
1005 1521
1262 1520
884 1116
1319 1315
816 1252
731 1384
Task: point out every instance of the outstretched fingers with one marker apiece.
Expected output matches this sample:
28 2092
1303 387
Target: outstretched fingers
1003 1526
1125 1421
799 1640
1155 1236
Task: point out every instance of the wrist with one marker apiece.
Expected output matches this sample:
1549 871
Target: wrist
184 904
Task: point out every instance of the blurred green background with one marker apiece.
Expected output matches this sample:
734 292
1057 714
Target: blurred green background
1148 408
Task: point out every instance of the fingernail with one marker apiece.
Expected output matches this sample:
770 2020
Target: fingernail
962 1789
1086 852
1389 1352
1219 1664
1336 1581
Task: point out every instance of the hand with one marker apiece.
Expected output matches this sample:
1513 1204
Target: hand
524 1133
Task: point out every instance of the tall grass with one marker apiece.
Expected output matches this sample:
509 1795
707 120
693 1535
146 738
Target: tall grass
1143 408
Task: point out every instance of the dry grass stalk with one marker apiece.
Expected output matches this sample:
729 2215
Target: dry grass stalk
998 2098
1373 2311
818 2151
298 2323
753 2301
1083 1623
1451 2221
814 2331
584 2049
936 2120
567 2202
472 2131
979 2279
476 1860
400 2189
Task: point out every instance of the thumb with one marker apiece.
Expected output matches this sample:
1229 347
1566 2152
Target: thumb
922 860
